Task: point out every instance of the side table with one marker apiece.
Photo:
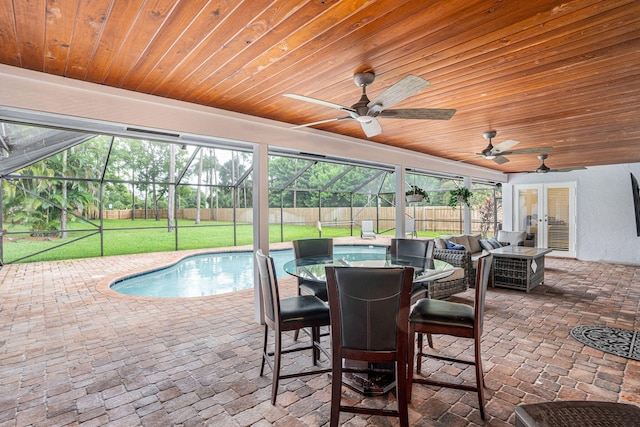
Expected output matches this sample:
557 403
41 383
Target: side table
518 267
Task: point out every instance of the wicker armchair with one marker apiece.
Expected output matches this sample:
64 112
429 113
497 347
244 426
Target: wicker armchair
460 259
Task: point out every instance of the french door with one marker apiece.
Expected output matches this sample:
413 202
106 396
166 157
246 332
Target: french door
547 211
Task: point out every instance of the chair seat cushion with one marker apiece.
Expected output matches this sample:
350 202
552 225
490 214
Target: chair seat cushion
442 313
305 307
318 289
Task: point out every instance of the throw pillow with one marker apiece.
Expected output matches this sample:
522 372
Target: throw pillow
485 245
454 246
462 240
474 243
493 242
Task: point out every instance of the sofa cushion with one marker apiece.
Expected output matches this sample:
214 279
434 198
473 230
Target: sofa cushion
474 243
458 273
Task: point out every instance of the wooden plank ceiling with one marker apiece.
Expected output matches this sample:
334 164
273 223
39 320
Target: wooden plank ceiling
554 73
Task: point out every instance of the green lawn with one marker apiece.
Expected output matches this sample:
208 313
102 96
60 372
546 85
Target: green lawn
123 237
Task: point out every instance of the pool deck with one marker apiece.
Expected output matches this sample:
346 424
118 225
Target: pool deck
72 355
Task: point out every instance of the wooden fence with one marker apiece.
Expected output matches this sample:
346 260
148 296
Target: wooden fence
429 218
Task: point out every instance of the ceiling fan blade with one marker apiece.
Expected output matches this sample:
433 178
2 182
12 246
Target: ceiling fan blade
319 102
419 113
322 121
567 169
501 160
371 128
398 92
504 146
539 170
539 150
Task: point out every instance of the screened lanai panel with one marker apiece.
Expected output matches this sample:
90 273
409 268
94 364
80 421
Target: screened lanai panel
49 219
144 161
81 161
333 177
22 145
216 166
283 171
437 187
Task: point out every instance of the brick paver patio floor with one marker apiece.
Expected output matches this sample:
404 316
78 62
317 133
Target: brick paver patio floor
72 355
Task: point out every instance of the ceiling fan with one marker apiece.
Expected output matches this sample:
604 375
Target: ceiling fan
498 153
367 112
544 168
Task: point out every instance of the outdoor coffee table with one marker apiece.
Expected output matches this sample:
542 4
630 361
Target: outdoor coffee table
518 267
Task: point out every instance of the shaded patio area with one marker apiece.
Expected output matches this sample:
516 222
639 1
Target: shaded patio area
71 355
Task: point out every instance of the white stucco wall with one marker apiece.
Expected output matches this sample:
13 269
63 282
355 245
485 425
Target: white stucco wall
605 218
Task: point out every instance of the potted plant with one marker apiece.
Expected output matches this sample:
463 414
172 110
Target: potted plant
416 194
460 196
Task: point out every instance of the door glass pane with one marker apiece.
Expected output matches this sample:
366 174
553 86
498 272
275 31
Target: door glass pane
558 218
528 209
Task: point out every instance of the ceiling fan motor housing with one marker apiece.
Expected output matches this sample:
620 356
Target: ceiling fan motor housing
489 135
364 79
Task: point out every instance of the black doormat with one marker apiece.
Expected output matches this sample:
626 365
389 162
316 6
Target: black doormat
621 342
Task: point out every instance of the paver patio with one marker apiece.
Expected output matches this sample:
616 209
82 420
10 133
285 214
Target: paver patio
71 355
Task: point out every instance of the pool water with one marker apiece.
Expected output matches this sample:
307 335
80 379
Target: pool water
212 274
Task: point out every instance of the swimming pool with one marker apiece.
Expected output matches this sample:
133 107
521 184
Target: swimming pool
212 274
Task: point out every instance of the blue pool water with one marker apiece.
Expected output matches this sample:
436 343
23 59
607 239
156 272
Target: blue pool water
211 274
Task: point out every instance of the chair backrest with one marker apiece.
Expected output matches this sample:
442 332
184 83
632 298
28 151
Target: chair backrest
431 247
312 247
482 280
367 227
409 247
409 225
513 238
417 248
268 286
369 307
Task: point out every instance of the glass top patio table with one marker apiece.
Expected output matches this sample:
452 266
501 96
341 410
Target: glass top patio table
313 268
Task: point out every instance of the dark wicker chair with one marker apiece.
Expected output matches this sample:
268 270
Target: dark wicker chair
430 317
288 314
369 320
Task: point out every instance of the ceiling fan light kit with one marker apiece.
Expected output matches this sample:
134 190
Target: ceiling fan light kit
366 112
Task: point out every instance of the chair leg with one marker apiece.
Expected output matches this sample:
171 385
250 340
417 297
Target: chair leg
296 334
315 338
264 349
419 354
479 377
336 390
277 353
402 393
411 349
430 340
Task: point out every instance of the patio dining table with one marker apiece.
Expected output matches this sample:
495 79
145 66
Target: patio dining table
313 268
380 377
